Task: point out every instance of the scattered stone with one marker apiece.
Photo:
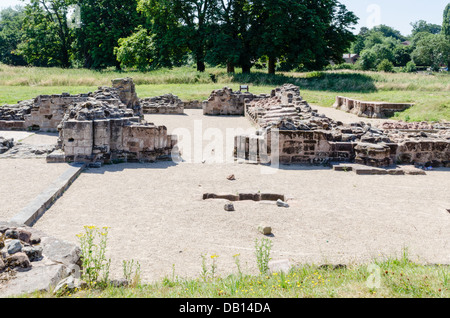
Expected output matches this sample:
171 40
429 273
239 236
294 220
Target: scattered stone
12 234
18 260
265 229
14 247
229 207
282 204
231 177
34 253
24 235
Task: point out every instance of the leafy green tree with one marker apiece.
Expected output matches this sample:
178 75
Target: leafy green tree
432 50
359 44
103 23
388 32
402 55
424 26
305 33
47 38
368 60
170 43
137 50
11 20
188 24
232 42
446 22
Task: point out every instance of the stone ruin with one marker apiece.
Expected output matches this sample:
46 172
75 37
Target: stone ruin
31 260
369 109
107 125
166 104
5 144
304 136
226 102
102 126
93 131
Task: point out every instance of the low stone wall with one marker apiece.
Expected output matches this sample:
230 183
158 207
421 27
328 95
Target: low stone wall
165 104
226 102
369 109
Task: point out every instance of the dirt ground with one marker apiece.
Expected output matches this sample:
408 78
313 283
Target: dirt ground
21 180
157 216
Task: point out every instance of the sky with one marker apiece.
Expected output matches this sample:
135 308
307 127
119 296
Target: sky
395 13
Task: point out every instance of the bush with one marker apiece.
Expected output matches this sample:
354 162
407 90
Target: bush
343 66
411 67
385 66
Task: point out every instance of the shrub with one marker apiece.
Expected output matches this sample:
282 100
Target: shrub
411 67
385 66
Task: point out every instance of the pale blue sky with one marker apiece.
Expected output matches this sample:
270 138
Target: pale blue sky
395 13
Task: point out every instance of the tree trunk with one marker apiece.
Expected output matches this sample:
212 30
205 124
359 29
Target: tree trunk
201 66
246 68
230 67
272 65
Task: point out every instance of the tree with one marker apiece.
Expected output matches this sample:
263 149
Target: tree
368 60
47 37
232 44
302 33
423 26
103 23
388 31
432 50
446 22
189 23
11 21
136 51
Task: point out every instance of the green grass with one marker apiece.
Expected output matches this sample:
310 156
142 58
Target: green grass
399 278
429 93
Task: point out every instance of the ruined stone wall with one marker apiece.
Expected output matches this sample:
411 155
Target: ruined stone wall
308 137
165 104
369 109
97 132
127 94
226 102
48 111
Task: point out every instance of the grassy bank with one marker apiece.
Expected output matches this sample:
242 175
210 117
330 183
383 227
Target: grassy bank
429 93
392 278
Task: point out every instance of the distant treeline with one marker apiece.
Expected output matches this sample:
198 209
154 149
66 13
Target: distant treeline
279 35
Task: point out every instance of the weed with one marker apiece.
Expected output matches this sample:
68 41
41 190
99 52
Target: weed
95 266
262 252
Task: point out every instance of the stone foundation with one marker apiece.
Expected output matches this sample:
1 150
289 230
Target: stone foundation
369 109
306 137
166 104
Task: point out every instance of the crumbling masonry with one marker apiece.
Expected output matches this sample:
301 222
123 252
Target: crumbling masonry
103 126
304 136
